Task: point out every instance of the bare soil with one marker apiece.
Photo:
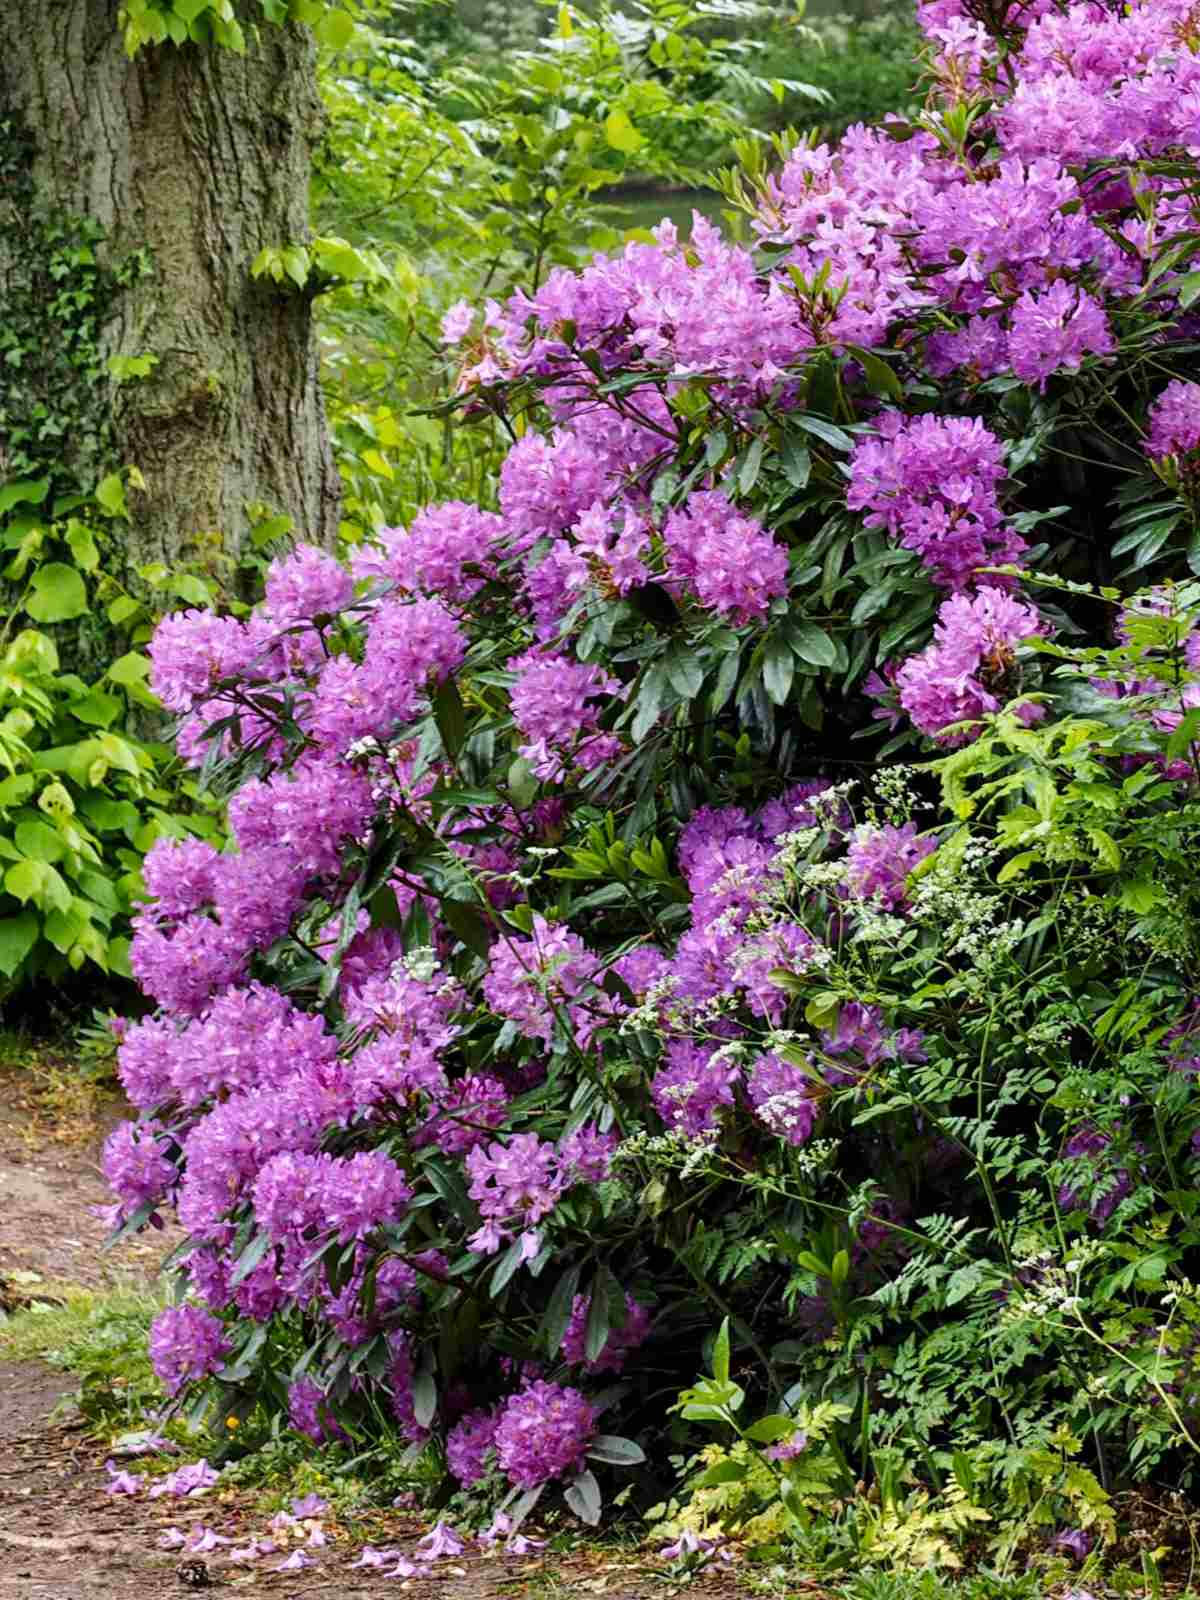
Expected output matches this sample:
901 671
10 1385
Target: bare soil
62 1537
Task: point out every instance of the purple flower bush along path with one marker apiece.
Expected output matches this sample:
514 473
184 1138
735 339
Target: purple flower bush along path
555 999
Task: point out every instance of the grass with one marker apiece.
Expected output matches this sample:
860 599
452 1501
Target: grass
100 1337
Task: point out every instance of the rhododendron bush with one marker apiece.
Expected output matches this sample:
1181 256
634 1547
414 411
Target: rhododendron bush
562 994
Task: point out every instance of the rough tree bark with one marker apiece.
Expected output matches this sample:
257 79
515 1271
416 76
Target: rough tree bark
199 157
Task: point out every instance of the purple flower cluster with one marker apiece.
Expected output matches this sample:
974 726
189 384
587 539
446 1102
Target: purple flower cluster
185 1344
138 1166
514 1185
1097 1183
969 669
783 1097
309 1413
879 860
345 1197
469 1444
1174 420
543 1432
725 558
552 703
931 482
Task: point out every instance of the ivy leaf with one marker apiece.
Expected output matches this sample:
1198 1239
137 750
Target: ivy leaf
58 594
83 545
110 494
39 841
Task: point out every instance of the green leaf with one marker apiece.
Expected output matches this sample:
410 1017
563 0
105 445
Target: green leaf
811 644
469 924
621 133
451 718
83 545
720 1359
648 701
506 1267
250 1258
748 476
132 667
583 1497
18 935
796 461
615 1451
58 594
596 1329
779 666
685 673
122 608
721 1472
880 377
97 709
558 1312
1016 866
110 494
24 880
768 1430
192 589
30 491
39 841
335 30
522 784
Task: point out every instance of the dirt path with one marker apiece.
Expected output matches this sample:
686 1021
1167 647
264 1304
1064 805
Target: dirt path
50 1179
63 1537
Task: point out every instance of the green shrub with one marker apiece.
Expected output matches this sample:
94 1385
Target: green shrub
867 67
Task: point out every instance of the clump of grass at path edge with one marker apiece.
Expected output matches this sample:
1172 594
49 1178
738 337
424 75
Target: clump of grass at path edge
99 1337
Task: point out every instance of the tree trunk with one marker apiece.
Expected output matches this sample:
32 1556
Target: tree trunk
190 159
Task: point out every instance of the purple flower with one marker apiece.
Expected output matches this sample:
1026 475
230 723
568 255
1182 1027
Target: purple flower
185 1481
552 704
1096 1183
1174 420
469 1443
309 1414
782 1096
586 1155
1056 328
691 1089
969 669
726 559
371 1557
186 1344
879 861
137 1164
441 1540
120 1482
1076 1542
296 1562
514 1184
543 1433
931 482
618 1343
